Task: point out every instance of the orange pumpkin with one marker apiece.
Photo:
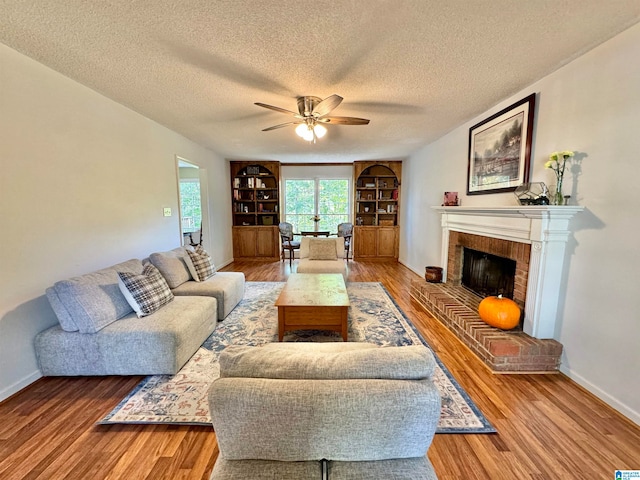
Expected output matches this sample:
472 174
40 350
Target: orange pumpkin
499 312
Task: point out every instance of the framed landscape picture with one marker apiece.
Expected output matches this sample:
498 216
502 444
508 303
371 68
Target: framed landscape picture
500 149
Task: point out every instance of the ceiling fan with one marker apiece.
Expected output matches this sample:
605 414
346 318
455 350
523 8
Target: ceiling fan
312 113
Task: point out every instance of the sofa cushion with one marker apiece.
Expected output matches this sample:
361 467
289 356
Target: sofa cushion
264 470
146 292
350 360
322 249
92 301
307 265
200 264
172 266
226 287
414 468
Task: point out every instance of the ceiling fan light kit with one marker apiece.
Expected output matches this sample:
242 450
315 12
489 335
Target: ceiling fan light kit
310 131
312 113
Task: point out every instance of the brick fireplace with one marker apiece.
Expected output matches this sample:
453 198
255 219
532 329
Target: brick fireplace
518 252
535 237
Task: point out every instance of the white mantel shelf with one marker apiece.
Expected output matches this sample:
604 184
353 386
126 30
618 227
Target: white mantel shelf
519 223
529 211
545 227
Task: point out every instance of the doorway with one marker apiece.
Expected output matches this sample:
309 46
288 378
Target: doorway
192 201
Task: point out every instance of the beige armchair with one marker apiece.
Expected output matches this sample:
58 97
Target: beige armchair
322 255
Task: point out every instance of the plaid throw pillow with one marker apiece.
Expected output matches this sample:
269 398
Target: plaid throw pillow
203 268
147 292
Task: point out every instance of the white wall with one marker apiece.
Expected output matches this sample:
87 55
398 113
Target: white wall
83 185
592 106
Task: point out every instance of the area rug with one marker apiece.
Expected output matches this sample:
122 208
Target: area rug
374 317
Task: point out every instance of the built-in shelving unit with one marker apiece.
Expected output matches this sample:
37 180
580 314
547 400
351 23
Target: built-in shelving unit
255 190
376 205
377 198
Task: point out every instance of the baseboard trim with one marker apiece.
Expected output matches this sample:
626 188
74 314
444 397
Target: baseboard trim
613 402
402 262
224 264
19 385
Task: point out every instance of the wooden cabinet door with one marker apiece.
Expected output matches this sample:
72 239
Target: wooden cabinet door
244 242
387 241
365 241
266 242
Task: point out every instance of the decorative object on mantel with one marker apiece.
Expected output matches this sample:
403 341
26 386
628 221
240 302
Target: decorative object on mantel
499 312
533 193
433 274
451 199
500 149
557 162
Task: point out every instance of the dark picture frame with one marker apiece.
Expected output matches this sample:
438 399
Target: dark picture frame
500 149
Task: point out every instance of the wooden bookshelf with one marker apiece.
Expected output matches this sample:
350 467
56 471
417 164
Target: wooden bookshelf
376 209
255 198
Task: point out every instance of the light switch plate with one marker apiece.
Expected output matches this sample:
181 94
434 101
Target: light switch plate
167 211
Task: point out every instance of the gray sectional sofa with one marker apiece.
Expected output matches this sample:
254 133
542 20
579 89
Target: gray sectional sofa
99 333
288 410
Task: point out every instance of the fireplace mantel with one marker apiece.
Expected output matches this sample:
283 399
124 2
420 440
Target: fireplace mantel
545 228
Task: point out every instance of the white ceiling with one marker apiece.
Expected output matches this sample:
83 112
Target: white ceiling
415 68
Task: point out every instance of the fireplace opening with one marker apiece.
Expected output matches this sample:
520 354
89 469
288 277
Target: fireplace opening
487 274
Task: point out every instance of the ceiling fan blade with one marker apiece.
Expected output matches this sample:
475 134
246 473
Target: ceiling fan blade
281 125
277 109
326 105
344 120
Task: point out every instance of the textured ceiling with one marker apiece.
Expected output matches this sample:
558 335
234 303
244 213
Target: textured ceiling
415 68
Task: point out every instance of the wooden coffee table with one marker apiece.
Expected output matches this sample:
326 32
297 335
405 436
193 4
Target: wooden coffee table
313 301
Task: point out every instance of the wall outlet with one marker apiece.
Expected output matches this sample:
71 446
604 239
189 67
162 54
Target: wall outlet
167 211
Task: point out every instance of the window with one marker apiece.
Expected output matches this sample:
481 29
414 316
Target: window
328 199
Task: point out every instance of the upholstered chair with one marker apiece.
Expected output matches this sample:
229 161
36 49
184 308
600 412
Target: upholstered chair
286 238
346 230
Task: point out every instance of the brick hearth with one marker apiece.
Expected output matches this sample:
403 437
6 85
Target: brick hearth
503 351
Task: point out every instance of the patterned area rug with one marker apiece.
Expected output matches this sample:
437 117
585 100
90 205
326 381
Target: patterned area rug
373 317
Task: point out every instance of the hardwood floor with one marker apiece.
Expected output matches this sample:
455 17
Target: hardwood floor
548 426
